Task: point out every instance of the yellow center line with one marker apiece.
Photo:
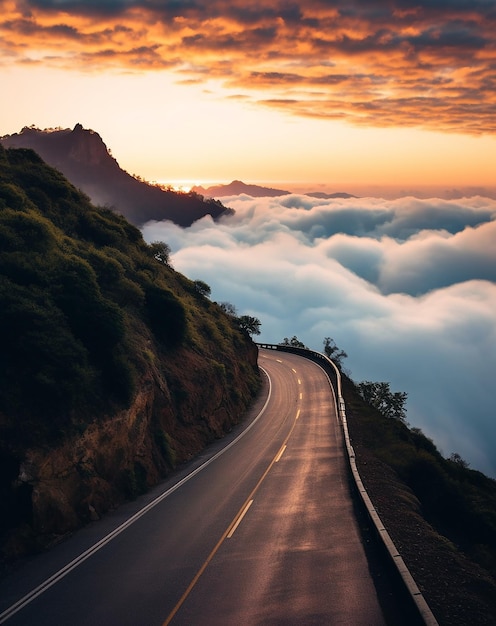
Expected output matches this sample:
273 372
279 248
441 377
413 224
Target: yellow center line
238 521
230 529
281 452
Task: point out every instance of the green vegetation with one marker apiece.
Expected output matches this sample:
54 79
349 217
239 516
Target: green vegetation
380 396
460 503
113 367
246 323
249 324
161 251
334 353
294 342
86 305
202 288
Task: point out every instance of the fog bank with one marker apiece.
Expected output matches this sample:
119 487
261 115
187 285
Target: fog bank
406 287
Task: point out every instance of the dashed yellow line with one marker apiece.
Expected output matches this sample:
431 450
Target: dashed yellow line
231 528
240 517
279 455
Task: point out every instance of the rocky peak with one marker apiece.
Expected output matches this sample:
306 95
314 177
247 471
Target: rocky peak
86 146
82 156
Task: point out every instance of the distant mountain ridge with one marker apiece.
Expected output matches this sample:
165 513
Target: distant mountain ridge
82 156
237 187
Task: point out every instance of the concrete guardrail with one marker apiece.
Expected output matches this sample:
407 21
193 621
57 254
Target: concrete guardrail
406 578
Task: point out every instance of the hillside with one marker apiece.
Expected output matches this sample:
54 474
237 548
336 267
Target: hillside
440 513
85 160
114 368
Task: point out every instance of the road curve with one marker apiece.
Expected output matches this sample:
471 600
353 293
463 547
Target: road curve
263 534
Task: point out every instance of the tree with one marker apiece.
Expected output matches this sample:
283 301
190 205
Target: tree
202 288
249 324
228 308
456 458
380 396
333 352
294 342
161 251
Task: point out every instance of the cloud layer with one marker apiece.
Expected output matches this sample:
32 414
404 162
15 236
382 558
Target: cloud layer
428 64
406 287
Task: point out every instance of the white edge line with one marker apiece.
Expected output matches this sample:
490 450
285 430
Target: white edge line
52 580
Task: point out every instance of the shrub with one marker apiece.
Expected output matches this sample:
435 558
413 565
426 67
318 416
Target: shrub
44 369
166 315
96 321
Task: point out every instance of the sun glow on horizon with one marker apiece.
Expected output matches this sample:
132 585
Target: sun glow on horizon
178 105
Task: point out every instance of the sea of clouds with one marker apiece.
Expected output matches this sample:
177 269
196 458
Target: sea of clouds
406 287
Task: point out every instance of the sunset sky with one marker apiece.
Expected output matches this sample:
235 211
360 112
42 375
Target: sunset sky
345 94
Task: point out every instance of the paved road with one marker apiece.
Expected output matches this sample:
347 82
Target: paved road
263 534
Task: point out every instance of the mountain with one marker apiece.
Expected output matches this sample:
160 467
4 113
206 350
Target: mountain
83 158
114 368
329 196
237 187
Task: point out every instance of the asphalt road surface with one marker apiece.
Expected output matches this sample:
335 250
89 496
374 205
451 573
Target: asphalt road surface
263 532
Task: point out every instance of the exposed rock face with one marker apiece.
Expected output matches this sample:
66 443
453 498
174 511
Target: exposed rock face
87 148
170 420
82 156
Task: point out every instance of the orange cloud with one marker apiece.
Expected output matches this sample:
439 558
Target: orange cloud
407 63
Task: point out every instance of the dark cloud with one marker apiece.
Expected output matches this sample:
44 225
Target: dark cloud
171 8
29 28
407 287
451 35
485 7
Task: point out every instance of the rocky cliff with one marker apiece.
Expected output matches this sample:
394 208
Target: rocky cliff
174 413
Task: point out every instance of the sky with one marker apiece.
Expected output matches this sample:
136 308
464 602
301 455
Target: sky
391 100
355 96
